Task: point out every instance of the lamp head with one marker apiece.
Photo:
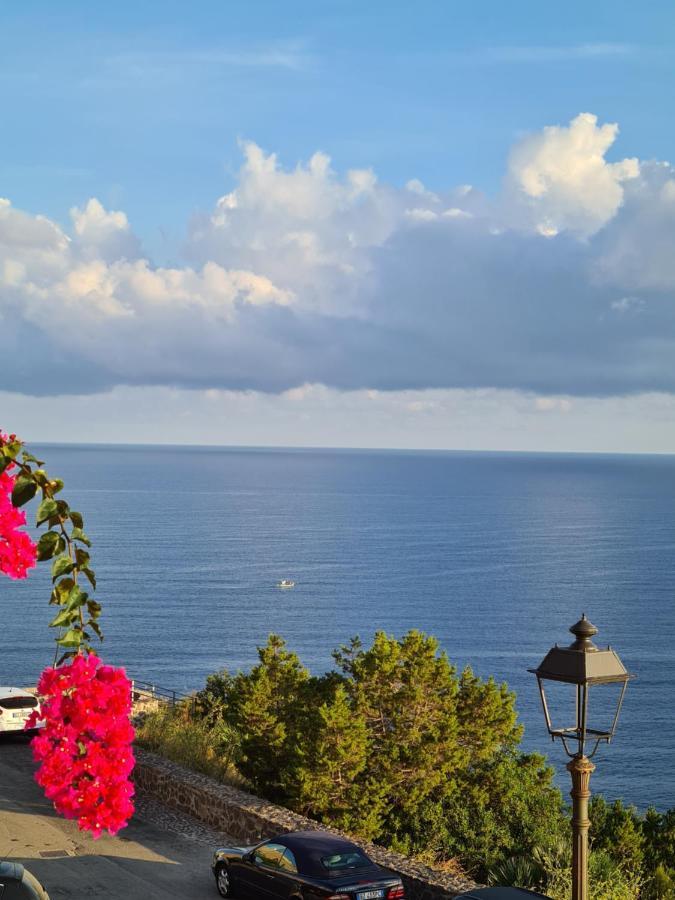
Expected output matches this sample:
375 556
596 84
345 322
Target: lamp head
581 665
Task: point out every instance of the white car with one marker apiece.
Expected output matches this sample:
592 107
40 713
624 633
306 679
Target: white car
16 705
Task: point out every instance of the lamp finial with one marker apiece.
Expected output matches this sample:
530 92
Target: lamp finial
583 631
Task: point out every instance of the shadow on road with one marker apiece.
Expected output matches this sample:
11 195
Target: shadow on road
144 862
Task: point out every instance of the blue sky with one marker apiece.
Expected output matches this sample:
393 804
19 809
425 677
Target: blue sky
141 104
242 213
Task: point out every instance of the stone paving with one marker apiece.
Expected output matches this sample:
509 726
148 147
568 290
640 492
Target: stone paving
149 809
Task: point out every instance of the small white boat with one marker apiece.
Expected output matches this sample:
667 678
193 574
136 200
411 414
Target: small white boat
285 583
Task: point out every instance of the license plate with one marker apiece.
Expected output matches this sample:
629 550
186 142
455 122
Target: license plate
369 895
20 715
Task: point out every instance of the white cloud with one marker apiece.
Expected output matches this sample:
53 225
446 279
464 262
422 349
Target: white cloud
103 234
562 177
300 276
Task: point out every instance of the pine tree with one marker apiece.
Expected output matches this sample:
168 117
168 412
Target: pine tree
329 785
265 705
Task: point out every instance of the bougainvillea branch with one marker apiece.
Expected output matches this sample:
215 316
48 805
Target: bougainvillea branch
84 740
65 543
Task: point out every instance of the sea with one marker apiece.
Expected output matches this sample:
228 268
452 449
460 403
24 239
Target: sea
495 554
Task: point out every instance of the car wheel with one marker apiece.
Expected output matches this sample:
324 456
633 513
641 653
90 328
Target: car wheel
223 881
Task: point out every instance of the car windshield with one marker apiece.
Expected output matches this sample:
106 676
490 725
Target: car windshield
350 859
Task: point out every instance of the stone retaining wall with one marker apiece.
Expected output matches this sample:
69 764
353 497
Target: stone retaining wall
250 819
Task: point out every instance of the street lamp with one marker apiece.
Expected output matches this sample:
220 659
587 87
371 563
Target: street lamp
581 665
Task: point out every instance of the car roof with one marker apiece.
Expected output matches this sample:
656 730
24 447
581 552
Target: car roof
319 841
309 847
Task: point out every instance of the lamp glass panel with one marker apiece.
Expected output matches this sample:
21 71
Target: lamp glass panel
561 700
603 700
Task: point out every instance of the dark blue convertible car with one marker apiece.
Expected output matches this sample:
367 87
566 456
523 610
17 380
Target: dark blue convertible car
303 865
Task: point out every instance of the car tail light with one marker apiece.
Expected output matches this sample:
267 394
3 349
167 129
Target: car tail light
396 893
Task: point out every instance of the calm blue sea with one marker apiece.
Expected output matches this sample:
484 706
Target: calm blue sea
495 554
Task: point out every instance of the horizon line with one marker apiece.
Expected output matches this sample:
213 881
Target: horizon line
337 449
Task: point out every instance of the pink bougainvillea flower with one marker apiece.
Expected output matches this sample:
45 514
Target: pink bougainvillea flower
84 750
18 553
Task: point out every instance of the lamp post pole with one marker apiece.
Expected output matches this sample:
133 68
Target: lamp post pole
581 769
582 666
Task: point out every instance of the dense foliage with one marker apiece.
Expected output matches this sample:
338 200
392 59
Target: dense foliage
394 746
397 747
631 856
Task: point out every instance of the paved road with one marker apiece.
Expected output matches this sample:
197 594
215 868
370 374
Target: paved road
161 854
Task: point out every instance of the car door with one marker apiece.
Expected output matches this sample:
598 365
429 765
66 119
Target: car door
259 877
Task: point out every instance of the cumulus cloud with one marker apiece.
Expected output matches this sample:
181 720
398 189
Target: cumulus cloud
563 178
562 285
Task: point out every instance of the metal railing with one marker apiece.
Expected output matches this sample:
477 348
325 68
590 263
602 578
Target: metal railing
145 691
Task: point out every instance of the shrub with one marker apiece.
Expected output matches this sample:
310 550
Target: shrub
208 748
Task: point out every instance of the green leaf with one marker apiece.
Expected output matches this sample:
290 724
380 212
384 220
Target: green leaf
82 557
76 597
72 638
62 565
46 510
4 462
12 449
64 617
76 519
63 508
62 590
79 535
28 457
90 575
47 545
96 627
24 490
56 485
94 609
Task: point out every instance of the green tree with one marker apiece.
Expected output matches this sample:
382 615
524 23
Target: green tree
506 806
334 757
661 885
406 693
658 830
616 829
393 746
266 706
659 834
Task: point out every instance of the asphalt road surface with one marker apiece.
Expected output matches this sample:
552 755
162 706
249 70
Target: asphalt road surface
160 854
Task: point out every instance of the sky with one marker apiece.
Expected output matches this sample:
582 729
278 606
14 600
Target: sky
435 225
